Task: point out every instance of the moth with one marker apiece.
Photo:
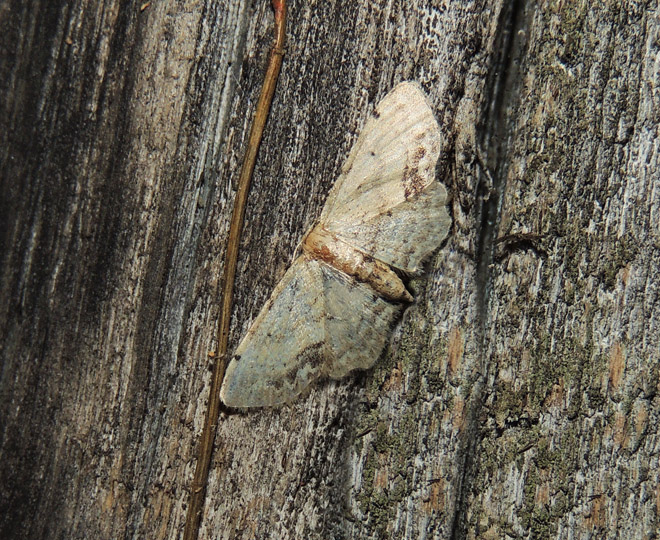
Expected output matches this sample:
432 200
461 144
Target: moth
334 309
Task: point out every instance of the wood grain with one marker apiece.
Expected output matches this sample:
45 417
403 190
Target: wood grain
519 395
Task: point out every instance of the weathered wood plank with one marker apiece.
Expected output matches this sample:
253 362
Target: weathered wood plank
518 398
104 199
571 444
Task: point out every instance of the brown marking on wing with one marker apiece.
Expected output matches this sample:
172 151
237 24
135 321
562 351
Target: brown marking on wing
311 355
326 255
413 182
419 154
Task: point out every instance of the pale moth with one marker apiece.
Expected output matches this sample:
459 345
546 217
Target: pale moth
334 309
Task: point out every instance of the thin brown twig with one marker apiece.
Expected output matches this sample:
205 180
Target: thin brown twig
198 491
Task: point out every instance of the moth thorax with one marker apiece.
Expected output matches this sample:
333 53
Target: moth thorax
325 246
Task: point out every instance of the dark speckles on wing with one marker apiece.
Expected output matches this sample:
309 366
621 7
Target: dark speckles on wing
312 355
414 182
419 154
315 355
307 367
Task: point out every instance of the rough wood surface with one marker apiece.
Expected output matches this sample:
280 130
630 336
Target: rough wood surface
571 446
519 397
